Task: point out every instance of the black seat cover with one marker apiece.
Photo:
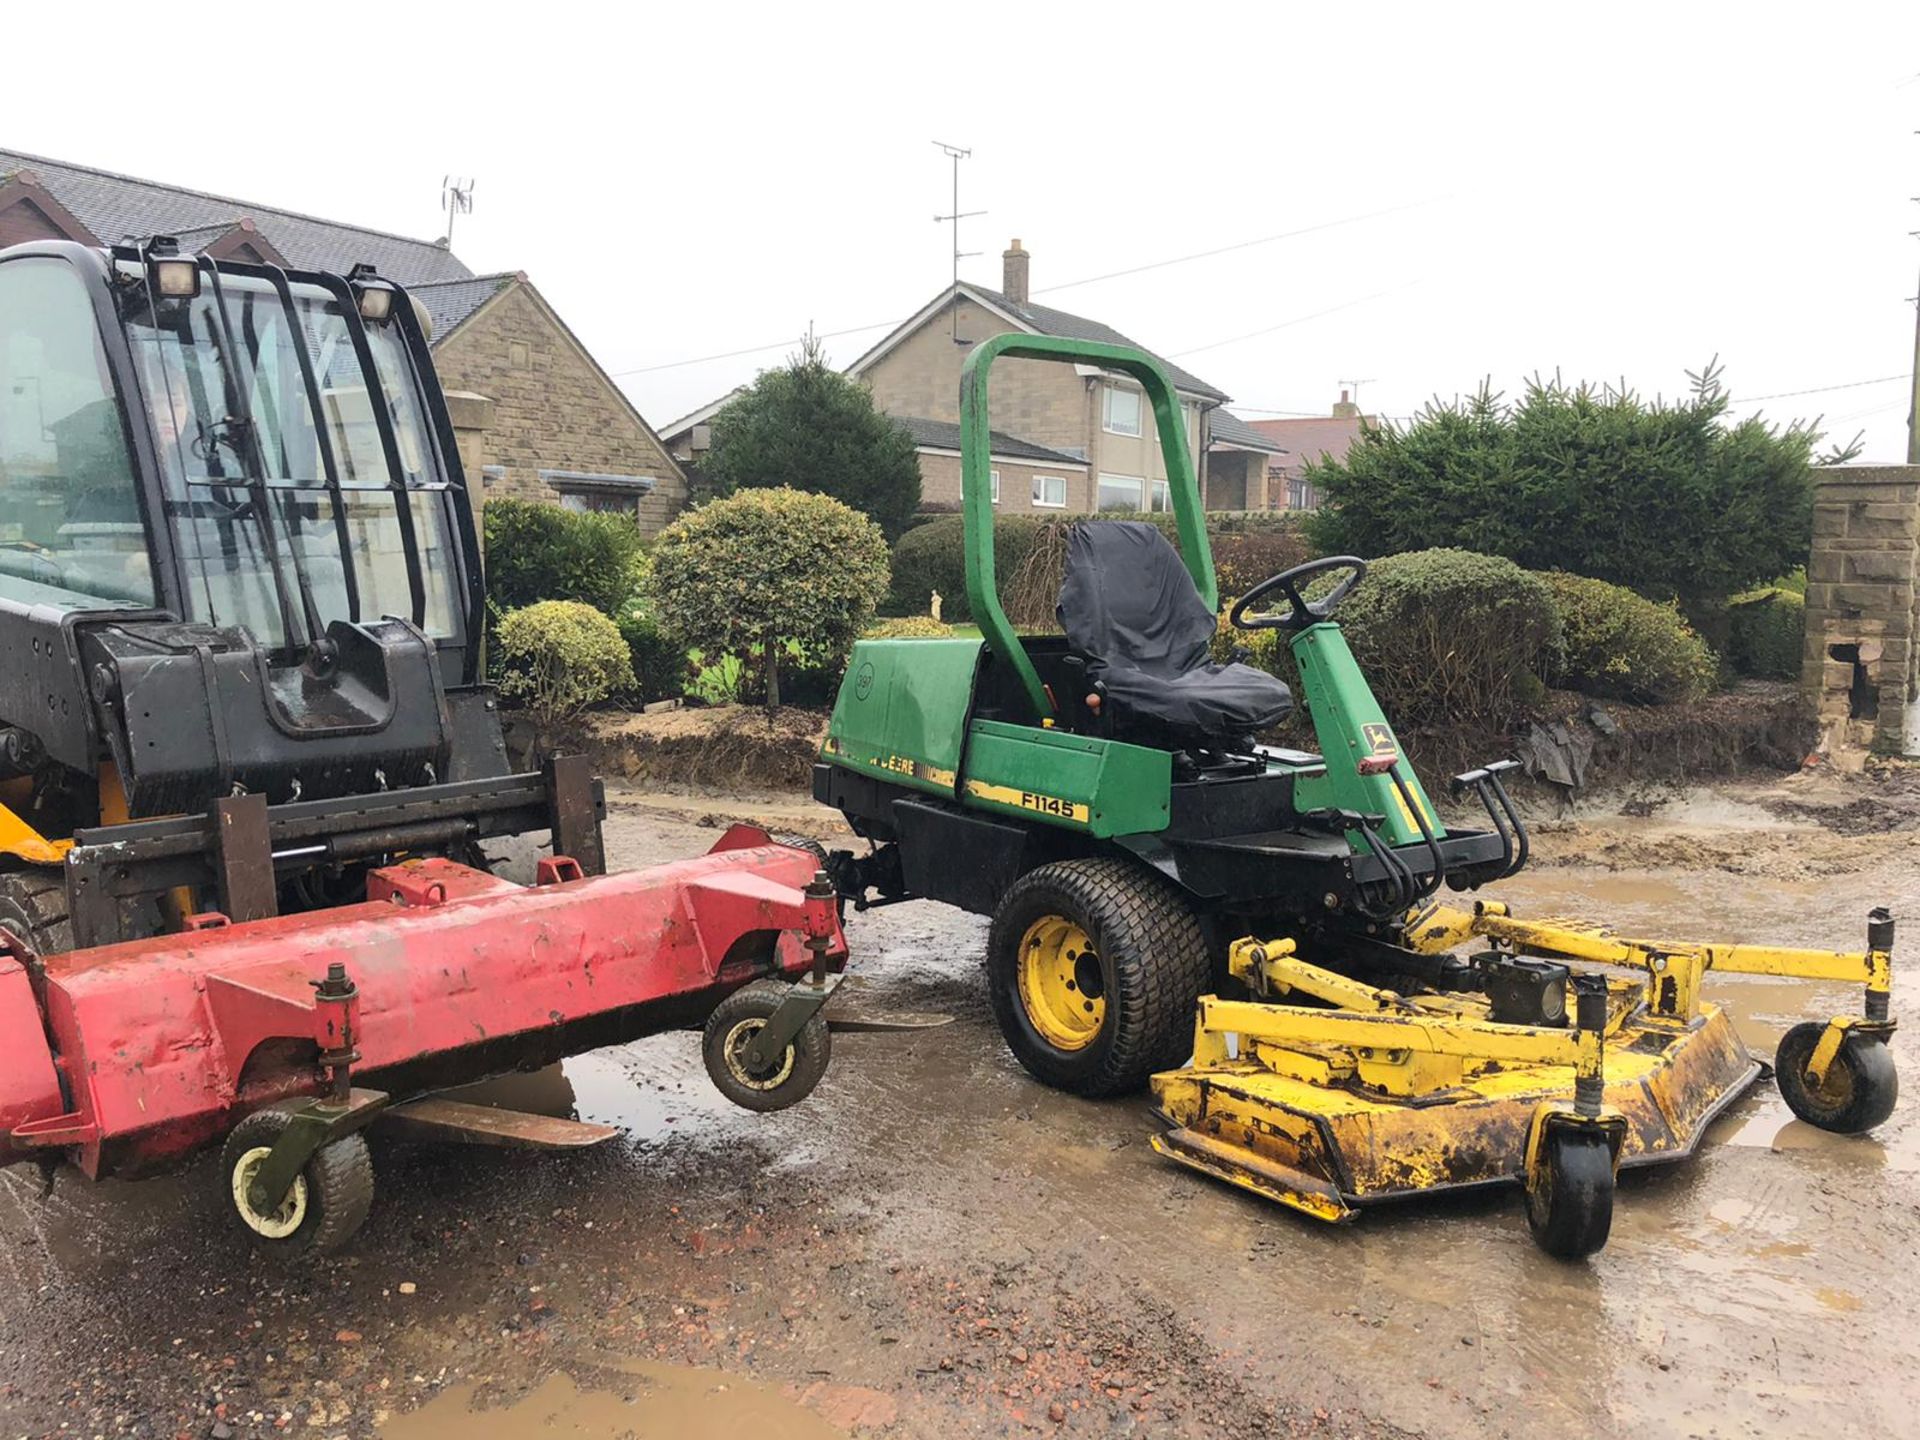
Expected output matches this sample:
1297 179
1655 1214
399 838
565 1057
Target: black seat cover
1130 606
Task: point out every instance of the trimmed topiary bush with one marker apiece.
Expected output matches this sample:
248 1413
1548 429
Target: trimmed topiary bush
1450 635
1766 633
542 552
1622 646
1616 643
559 657
774 577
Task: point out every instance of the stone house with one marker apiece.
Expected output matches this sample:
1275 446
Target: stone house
553 425
1100 420
1066 437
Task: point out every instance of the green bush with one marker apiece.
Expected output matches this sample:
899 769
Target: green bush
769 575
561 656
909 627
932 558
542 552
1767 633
1029 552
1622 646
1676 498
1450 635
659 661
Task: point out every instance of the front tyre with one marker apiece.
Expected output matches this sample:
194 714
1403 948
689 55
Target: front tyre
1094 968
329 1200
790 1077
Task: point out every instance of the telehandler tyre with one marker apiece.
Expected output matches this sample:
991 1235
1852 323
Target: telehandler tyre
33 904
1094 967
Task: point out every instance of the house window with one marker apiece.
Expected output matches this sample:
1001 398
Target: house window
1162 497
994 476
601 502
1300 495
1050 492
1122 492
1123 410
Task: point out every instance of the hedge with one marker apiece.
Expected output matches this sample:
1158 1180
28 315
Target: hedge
1767 632
1621 646
1450 635
543 552
931 557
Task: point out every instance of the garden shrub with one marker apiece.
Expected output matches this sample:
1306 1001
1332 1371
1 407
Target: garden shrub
909 627
1767 632
560 656
773 577
1621 646
1029 554
659 661
1450 635
542 552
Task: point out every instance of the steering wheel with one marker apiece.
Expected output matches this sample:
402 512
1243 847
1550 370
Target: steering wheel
1300 612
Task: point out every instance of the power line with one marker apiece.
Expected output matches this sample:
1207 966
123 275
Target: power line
1816 390
1296 320
1051 289
1241 245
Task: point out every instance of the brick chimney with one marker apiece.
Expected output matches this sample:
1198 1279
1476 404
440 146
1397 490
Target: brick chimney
1345 409
1013 273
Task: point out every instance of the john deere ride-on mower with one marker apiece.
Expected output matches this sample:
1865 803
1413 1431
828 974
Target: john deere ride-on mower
1101 795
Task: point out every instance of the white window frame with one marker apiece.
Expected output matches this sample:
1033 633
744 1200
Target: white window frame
1138 482
994 477
1139 404
1039 484
1160 491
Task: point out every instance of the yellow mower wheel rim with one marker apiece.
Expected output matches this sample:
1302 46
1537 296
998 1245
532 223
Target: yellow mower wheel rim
1061 986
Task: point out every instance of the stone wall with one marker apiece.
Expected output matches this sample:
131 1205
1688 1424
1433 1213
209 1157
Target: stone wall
1859 663
553 408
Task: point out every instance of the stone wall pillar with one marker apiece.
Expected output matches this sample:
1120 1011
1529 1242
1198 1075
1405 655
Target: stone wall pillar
472 417
1859 665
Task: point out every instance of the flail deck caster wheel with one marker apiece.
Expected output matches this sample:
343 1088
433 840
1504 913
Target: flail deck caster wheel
1570 1202
791 1076
1860 1088
329 1200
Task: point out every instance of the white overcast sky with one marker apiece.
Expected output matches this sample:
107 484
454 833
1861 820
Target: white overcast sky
1612 190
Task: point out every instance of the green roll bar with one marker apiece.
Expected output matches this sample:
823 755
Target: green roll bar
976 490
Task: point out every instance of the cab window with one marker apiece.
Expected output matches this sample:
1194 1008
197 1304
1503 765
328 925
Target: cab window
71 533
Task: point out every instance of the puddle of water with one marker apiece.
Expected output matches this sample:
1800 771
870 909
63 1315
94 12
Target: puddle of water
643 1402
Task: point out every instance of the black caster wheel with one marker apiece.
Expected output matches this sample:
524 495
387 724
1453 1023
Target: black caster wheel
1859 1091
790 1078
1570 1202
329 1200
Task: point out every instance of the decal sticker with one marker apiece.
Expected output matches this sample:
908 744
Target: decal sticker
1038 804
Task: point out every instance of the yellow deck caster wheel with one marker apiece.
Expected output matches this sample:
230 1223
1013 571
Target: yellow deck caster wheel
788 1077
1858 1090
1570 1194
327 1203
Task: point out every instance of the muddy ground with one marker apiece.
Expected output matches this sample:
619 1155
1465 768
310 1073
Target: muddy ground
935 1246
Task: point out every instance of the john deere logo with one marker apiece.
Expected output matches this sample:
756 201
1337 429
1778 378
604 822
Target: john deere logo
1379 740
863 681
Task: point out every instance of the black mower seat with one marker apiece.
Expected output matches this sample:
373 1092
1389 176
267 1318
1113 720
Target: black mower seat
1130 607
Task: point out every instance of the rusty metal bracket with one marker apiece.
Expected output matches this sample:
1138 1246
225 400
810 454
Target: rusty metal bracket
243 858
802 1002
573 812
313 1124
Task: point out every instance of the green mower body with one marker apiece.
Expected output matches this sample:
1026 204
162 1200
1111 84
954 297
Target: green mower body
970 765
